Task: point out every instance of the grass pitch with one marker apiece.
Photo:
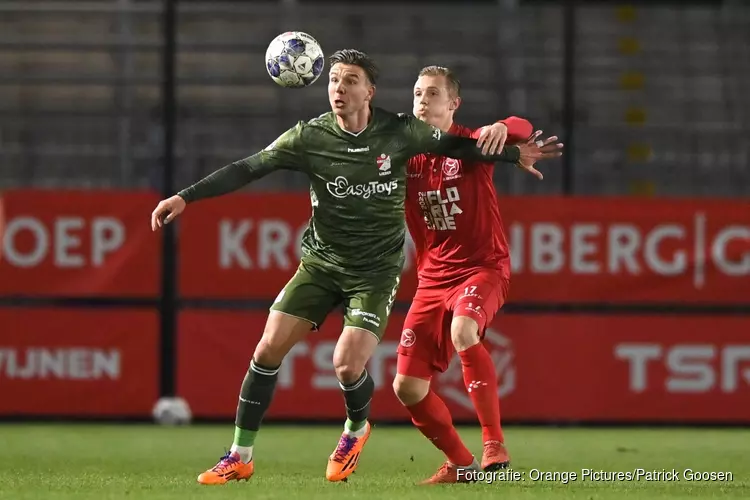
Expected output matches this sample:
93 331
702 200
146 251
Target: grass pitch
143 461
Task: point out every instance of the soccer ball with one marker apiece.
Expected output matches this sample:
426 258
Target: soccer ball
172 411
294 59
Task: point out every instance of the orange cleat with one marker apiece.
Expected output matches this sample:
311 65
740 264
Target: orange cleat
345 458
229 468
449 473
495 456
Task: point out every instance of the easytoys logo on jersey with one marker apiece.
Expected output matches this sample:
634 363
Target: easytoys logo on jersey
340 188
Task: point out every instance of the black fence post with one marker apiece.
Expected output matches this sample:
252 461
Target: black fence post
569 104
168 303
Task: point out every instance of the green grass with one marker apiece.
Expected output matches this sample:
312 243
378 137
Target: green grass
142 461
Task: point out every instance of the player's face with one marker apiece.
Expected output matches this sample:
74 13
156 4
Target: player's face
349 89
433 101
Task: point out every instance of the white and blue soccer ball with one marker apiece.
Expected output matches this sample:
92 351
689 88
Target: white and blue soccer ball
172 411
294 59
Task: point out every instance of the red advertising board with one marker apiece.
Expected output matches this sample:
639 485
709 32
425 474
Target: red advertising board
79 243
78 362
563 368
569 250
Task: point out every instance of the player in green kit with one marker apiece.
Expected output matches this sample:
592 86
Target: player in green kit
352 251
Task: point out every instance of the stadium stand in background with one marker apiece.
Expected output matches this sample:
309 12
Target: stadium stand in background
659 99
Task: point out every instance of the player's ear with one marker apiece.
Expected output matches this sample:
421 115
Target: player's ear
370 93
455 103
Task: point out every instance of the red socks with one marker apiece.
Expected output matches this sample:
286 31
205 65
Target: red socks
433 419
481 383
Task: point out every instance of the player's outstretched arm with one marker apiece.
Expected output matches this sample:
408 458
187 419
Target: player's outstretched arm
492 139
428 139
284 153
512 130
519 129
227 179
465 148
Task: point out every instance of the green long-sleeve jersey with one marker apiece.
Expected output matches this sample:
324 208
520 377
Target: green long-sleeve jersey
357 184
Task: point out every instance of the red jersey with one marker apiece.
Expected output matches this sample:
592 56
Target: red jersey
452 212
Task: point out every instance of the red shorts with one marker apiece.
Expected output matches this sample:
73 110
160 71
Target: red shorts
426 346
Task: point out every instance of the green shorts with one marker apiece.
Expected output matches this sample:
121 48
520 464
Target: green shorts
314 291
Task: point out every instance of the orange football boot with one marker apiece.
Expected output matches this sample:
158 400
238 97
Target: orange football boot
344 459
450 473
229 468
495 456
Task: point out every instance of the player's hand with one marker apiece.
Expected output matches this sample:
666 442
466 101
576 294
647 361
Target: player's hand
492 139
166 211
536 149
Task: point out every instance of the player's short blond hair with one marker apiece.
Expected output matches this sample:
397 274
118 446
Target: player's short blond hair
454 84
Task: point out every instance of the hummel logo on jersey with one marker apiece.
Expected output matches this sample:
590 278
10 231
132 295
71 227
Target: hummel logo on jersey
358 150
384 164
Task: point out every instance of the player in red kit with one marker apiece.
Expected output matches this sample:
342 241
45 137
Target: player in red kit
463 265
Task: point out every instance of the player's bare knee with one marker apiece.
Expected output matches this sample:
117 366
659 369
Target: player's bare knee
352 352
410 390
464 332
281 333
268 353
348 374
348 362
